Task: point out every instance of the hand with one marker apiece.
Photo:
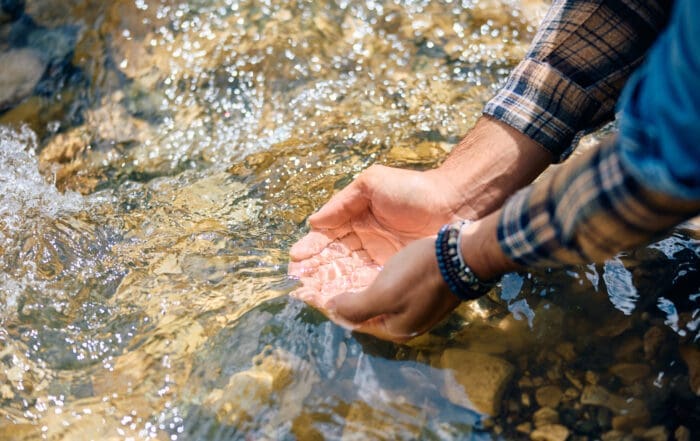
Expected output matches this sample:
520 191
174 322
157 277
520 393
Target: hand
361 227
386 208
407 298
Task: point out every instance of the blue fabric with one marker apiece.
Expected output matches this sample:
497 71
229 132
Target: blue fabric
659 110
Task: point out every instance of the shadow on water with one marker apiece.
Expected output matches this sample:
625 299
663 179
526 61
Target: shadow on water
157 160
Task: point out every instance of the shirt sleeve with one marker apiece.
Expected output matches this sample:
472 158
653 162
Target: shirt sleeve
588 210
633 188
580 59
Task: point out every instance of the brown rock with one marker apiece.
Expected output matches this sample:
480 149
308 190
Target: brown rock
691 356
21 71
475 381
630 373
654 339
566 351
629 422
656 433
64 147
592 377
365 421
524 428
548 396
545 416
682 433
627 410
552 432
616 435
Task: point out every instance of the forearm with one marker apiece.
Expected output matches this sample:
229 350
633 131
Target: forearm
488 165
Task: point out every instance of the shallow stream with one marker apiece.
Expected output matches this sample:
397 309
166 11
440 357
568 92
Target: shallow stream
157 160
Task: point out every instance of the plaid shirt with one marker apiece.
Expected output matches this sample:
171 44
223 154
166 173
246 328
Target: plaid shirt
631 188
570 80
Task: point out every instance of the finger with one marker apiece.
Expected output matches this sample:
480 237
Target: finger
357 307
347 204
311 244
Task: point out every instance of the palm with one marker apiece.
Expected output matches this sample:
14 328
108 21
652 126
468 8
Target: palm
361 227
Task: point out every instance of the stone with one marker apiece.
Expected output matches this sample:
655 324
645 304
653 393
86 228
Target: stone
367 421
274 373
627 423
629 412
525 400
573 379
691 356
64 147
682 434
475 381
548 396
566 351
524 428
630 373
570 394
545 416
630 349
592 377
552 432
21 71
656 433
616 435
654 340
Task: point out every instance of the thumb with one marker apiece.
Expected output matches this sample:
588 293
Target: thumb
346 205
357 307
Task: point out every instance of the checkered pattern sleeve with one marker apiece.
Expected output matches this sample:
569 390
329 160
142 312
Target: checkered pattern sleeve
586 211
574 70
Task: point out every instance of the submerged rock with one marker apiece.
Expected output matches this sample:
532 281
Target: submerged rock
365 421
691 356
21 71
630 373
552 432
276 375
475 381
549 396
545 416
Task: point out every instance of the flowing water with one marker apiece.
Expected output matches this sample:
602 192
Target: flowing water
157 160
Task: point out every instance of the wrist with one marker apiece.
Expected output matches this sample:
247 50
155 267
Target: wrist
492 162
481 250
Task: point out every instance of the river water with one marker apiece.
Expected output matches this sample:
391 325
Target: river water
157 160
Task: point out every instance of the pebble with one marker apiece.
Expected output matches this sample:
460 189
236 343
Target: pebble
571 394
545 416
22 70
525 400
656 433
477 381
691 356
616 435
524 428
682 433
552 432
566 351
548 396
592 378
571 376
630 373
653 341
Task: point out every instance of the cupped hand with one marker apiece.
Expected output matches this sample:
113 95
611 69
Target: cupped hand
406 299
365 224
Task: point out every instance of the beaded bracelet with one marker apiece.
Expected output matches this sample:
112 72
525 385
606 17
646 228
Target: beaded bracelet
459 277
